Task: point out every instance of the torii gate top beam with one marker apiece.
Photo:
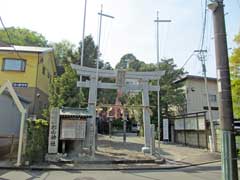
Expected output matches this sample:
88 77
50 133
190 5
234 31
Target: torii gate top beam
86 71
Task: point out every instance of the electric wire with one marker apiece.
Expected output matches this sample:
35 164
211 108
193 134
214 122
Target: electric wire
187 60
202 38
164 39
10 43
204 25
107 34
9 38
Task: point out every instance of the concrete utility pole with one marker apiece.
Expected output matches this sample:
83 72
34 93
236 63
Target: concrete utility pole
158 92
83 33
201 57
83 36
229 155
100 32
99 35
99 43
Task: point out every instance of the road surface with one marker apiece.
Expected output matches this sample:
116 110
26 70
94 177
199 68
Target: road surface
204 172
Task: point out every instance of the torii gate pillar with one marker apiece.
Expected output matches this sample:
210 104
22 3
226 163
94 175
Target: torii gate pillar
92 99
146 116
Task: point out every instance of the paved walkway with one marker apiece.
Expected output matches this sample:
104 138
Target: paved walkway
115 148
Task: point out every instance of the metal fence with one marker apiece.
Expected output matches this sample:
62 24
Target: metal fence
191 129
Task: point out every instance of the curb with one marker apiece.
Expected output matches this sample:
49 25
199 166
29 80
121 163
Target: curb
32 168
135 161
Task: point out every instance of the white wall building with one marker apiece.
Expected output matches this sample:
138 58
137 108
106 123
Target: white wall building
196 95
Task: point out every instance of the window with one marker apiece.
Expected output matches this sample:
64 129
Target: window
212 97
14 64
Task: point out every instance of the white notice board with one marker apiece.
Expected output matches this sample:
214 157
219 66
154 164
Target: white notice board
73 129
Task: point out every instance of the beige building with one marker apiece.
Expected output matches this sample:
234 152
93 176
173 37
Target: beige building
196 95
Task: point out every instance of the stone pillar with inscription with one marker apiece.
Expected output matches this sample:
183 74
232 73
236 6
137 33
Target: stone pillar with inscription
53 131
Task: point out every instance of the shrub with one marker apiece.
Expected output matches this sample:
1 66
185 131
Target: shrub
37 138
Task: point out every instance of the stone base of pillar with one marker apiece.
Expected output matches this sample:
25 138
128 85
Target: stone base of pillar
146 149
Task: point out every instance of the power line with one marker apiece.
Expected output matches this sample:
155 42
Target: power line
5 29
10 43
9 38
204 25
187 60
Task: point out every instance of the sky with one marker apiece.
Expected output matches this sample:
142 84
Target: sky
133 29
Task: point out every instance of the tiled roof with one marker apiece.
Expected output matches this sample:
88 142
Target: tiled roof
74 112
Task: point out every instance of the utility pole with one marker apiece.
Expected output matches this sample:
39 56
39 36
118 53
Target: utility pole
158 92
202 58
83 36
99 43
228 152
100 31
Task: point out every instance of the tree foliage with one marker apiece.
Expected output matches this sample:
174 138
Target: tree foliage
235 77
125 60
91 53
63 90
65 52
22 37
172 95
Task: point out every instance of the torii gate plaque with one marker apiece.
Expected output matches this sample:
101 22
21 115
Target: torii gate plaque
121 78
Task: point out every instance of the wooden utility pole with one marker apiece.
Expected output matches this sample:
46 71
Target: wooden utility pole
202 58
229 155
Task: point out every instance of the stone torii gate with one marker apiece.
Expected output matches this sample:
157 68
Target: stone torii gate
121 81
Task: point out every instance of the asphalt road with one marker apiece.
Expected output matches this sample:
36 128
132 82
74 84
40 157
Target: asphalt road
208 172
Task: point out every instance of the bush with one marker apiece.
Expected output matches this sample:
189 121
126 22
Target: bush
37 138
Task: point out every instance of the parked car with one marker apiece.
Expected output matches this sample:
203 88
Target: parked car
135 128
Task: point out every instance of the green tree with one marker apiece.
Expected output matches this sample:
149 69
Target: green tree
125 60
235 77
106 96
22 37
135 65
172 95
63 90
91 53
107 66
65 52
